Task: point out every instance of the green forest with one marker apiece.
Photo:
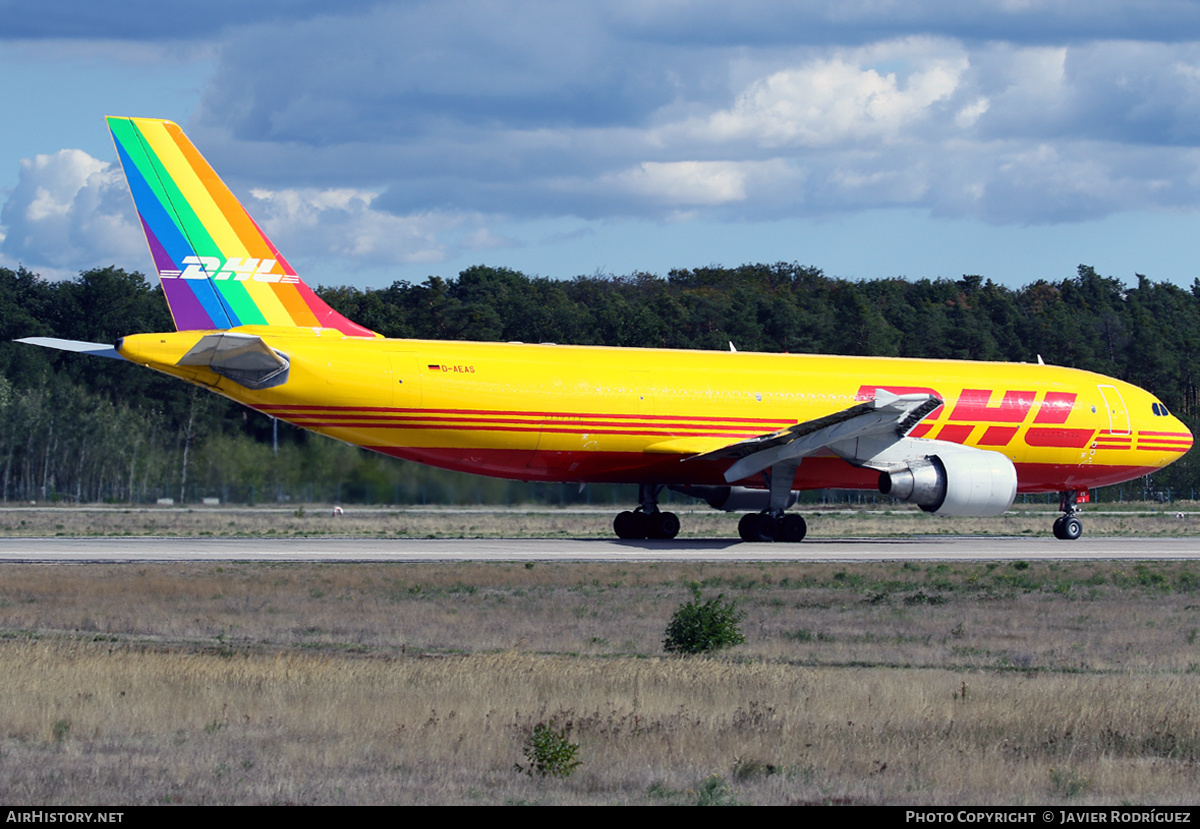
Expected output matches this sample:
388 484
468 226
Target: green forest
81 429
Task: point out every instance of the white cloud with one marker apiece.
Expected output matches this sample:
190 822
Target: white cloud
686 182
69 212
342 222
483 238
698 184
969 115
833 101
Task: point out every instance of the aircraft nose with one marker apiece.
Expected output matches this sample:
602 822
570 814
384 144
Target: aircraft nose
1184 430
1173 442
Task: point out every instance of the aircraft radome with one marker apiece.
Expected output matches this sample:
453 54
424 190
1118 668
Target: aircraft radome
743 431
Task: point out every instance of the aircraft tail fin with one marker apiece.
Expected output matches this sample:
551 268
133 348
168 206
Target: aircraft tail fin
218 269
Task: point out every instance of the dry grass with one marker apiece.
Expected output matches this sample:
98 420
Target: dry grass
697 521
416 683
126 726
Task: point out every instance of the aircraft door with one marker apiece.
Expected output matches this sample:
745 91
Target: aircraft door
1118 415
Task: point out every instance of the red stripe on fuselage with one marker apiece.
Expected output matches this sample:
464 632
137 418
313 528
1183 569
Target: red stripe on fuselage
520 424
284 410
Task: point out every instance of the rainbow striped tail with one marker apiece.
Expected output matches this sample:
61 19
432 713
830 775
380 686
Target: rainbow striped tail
218 269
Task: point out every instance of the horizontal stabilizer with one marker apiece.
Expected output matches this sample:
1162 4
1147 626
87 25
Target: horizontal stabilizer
78 346
243 358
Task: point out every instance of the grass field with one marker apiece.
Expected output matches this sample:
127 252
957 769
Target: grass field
1016 683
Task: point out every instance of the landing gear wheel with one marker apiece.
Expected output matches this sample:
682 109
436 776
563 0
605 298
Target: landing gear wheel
663 525
768 527
748 527
647 521
630 525
1068 528
792 528
757 526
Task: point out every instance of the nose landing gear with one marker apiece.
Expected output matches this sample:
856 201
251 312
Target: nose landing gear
1068 527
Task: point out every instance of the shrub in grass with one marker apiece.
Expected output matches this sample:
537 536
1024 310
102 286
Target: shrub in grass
549 752
1068 782
60 729
701 627
715 792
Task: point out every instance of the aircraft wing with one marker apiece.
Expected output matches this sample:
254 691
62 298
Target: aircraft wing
881 421
78 346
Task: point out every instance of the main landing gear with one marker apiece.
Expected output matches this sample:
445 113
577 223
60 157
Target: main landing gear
765 526
647 521
1068 527
771 524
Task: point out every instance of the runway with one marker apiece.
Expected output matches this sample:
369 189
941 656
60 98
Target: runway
61 550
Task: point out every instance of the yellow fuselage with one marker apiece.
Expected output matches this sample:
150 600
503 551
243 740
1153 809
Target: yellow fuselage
587 413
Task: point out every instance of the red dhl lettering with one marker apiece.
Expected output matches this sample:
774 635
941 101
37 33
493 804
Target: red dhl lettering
1056 407
976 406
955 433
973 406
998 435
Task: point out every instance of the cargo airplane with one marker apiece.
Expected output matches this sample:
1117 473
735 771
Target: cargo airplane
743 431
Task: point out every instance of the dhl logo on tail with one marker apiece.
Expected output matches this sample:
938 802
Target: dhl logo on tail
218 268
236 267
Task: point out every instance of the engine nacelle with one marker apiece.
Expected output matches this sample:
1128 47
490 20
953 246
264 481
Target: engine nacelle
732 498
969 482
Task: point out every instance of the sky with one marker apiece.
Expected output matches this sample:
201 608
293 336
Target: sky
375 142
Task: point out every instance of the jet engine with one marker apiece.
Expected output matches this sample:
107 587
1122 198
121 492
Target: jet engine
969 482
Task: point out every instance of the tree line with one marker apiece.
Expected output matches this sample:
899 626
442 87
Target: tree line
84 429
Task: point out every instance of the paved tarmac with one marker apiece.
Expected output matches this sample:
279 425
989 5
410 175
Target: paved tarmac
929 548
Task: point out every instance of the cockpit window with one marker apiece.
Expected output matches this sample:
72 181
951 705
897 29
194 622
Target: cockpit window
1159 409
